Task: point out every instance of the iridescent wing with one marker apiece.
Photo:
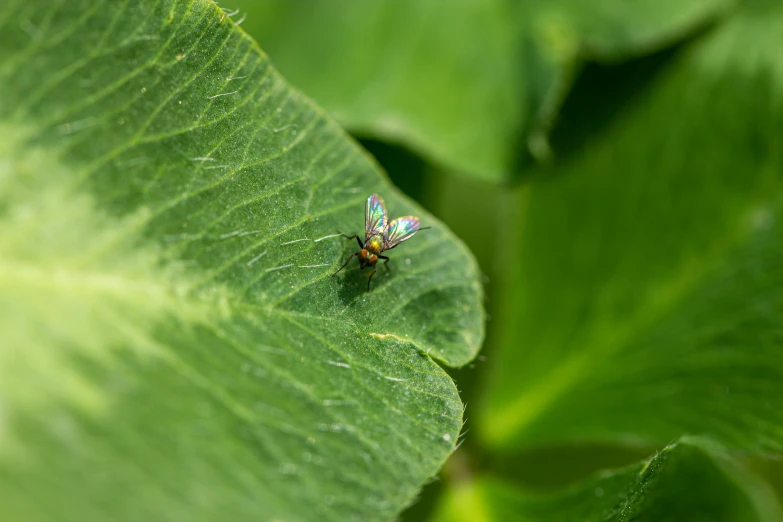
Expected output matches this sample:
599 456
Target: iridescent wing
375 219
399 230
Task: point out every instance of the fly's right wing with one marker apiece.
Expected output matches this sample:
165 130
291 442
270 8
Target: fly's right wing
400 230
375 219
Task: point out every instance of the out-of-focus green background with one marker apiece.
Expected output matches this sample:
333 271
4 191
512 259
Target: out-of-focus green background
615 166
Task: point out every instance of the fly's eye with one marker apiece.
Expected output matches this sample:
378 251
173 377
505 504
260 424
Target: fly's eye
373 258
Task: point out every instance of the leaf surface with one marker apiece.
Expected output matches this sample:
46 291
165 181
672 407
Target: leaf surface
689 480
646 298
172 342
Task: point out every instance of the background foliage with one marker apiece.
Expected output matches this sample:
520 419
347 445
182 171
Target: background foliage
614 166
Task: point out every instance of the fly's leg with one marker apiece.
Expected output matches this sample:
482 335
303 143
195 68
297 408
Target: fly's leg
370 279
356 236
359 241
346 263
386 262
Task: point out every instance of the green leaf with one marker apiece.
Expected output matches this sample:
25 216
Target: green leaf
562 34
441 81
690 480
173 345
645 302
465 85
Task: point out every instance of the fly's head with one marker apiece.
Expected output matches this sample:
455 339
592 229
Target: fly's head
367 258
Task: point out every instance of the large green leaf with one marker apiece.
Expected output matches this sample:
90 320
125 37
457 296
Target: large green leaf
172 346
463 82
646 296
691 480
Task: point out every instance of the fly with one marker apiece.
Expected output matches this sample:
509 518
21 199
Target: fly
380 235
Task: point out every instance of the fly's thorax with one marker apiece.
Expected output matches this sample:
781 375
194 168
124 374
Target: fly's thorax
374 244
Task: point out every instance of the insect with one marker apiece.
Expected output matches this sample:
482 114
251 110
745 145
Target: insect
380 235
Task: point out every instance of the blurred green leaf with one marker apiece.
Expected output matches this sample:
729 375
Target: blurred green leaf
172 344
689 480
645 300
443 81
465 83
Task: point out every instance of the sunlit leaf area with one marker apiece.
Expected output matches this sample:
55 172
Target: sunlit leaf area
391 260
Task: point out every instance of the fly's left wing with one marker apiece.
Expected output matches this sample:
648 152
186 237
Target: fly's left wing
399 230
375 219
